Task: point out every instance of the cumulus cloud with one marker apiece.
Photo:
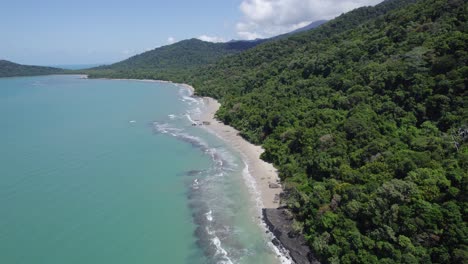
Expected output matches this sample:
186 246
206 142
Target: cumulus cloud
211 39
171 40
266 18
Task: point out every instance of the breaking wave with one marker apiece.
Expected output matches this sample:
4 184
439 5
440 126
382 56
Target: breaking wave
210 193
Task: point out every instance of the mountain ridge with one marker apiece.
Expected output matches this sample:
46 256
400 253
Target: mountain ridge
179 59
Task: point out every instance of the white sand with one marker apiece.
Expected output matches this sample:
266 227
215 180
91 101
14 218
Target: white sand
263 173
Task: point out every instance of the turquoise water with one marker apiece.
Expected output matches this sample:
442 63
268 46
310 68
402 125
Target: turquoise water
101 171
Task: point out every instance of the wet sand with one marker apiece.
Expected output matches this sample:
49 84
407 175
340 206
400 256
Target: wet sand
263 173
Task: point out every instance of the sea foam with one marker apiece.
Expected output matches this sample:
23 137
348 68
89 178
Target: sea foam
216 236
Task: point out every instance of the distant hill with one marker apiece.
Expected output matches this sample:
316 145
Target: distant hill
176 61
170 62
10 69
163 62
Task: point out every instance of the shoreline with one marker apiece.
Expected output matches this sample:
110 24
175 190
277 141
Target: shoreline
85 76
264 174
291 246
274 218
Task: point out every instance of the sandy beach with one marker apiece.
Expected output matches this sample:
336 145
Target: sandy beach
263 173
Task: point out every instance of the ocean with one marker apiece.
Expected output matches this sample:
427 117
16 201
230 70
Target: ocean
112 171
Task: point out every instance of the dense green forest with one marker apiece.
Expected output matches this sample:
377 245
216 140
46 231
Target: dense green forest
171 61
366 119
9 69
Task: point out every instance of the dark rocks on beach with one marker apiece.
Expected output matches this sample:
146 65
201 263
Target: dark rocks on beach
276 242
274 186
276 199
280 222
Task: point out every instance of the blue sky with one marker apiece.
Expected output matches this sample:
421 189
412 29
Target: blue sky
47 32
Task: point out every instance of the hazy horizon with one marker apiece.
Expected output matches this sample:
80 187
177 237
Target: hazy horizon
88 32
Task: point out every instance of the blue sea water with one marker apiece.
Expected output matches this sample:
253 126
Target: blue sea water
111 171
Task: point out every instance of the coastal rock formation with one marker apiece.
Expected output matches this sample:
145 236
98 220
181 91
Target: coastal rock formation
274 186
280 221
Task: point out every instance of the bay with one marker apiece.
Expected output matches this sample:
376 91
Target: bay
111 171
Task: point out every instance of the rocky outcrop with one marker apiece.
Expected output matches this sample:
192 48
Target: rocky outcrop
274 185
280 221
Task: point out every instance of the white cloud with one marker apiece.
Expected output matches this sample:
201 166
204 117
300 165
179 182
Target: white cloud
126 53
266 18
171 40
211 39
248 35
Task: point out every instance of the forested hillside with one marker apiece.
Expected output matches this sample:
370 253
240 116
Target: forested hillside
171 61
179 60
366 119
9 69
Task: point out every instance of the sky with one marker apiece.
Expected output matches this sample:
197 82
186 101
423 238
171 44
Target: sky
63 32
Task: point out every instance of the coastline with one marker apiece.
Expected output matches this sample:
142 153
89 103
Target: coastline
263 174
276 219
291 246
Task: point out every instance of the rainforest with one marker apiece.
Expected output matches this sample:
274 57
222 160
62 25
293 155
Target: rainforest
365 118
